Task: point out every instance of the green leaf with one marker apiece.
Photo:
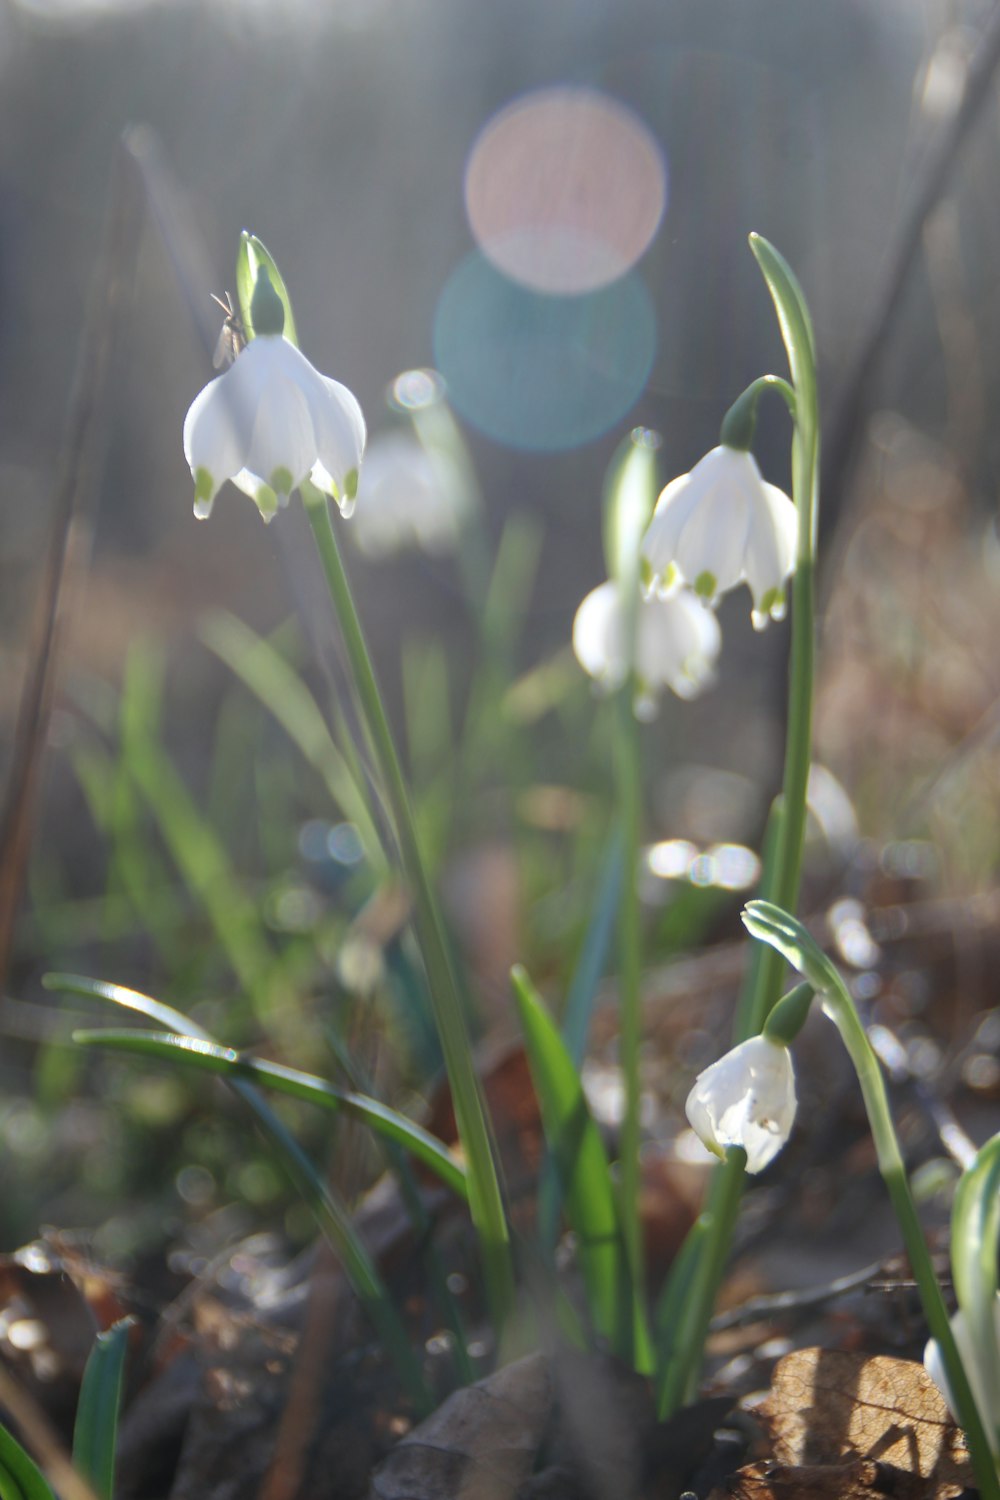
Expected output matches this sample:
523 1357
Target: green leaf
792 309
253 255
330 1213
95 1434
975 1233
20 1476
195 1052
630 492
582 1164
786 934
268 675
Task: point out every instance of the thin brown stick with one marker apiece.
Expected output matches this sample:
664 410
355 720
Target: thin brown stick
69 543
841 442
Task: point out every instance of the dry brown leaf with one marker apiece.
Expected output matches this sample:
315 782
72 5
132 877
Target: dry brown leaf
480 1445
827 1406
769 1481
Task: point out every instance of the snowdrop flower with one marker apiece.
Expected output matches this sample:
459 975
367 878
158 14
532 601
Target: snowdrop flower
746 1099
408 497
270 422
985 1384
677 643
722 525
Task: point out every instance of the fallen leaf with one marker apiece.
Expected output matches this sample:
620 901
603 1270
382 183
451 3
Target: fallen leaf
860 1480
827 1406
480 1445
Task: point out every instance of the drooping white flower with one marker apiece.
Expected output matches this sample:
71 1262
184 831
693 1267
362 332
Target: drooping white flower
408 497
677 643
722 525
746 1099
984 1382
270 422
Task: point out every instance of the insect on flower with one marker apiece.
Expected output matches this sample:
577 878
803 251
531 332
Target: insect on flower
232 335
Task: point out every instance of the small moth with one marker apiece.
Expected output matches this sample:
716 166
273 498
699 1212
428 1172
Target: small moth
232 336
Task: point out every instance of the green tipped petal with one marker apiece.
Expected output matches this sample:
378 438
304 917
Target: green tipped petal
204 493
706 585
282 481
266 501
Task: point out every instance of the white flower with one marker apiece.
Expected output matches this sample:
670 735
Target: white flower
746 1099
722 525
408 497
984 1382
267 424
677 642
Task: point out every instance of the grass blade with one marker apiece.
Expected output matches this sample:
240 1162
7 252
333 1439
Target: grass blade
95 1433
20 1476
588 1190
233 1065
329 1212
281 690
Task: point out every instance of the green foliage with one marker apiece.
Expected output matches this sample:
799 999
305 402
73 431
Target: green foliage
253 257
95 1433
20 1476
585 1177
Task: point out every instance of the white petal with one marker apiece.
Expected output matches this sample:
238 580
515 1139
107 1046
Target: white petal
598 636
673 508
746 1099
214 442
283 445
678 643
340 430
713 540
771 549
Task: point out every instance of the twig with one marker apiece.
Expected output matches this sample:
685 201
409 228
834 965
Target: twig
70 539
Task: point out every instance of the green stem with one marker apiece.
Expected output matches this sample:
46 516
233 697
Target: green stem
485 1199
782 870
840 1007
629 936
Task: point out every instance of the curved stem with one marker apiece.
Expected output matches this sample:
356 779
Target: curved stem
783 865
839 1006
485 1199
630 962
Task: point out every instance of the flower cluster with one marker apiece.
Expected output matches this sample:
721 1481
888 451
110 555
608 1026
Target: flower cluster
676 646
270 422
713 529
720 526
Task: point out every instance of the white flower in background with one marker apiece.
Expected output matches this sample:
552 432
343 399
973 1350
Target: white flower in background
985 1384
722 525
746 1099
677 643
267 424
408 497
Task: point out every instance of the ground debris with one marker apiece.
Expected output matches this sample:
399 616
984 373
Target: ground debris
870 1424
861 1480
482 1442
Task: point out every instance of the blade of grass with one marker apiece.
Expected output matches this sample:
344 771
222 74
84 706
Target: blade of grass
95 1433
230 1064
20 1476
588 1189
331 1215
279 687
192 844
590 967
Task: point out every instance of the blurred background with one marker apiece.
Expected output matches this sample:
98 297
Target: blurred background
549 204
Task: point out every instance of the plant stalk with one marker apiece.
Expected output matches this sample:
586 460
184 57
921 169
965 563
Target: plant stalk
485 1198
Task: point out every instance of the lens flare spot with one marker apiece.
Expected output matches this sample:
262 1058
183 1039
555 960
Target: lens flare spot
564 189
536 372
